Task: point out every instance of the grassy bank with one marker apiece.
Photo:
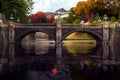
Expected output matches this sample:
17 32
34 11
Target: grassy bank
79 36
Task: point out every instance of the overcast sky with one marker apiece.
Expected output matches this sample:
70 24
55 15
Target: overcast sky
53 5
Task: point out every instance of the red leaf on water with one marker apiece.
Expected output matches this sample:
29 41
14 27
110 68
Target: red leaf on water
54 71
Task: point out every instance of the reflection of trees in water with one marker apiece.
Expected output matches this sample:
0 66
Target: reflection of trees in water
79 47
39 47
47 71
94 71
43 71
42 48
39 44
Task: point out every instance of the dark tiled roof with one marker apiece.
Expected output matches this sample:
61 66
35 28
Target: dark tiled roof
60 10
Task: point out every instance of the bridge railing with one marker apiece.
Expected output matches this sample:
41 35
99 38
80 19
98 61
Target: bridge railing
80 26
39 24
114 25
35 25
49 25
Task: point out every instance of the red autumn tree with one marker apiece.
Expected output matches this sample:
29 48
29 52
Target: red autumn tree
39 17
50 17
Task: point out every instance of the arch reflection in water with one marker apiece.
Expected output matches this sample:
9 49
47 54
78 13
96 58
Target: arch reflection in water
79 43
39 47
42 47
77 47
40 44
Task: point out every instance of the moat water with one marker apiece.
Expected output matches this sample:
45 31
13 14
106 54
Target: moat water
69 60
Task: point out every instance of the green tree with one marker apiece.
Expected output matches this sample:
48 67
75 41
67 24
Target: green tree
97 17
113 19
19 8
71 17
77 21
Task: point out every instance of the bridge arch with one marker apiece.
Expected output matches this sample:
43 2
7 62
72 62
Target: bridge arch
95 35
19 37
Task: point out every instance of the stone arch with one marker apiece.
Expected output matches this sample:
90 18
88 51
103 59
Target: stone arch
95 35
20 36
20 33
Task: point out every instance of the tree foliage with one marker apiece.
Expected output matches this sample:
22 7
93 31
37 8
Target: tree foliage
97 17
92 7
113 19
41 17
71 17
50 17
19 8
83 8
38 17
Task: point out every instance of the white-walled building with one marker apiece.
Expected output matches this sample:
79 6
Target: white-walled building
61 13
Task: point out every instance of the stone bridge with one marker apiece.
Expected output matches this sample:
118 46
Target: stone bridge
59 32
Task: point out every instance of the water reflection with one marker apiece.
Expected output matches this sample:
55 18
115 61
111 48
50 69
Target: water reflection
73 71
77 47
47 71
46 65
74 47
42 47
38 46
94 72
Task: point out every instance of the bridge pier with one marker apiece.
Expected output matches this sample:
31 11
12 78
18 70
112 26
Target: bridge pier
59 44
11 35
11 55
106 33
106 53
58 33
58 54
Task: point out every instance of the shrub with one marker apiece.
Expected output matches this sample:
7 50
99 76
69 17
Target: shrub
113 19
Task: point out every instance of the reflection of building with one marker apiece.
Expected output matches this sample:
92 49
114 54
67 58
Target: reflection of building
61 12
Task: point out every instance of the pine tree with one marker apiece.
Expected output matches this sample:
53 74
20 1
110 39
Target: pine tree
97 17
